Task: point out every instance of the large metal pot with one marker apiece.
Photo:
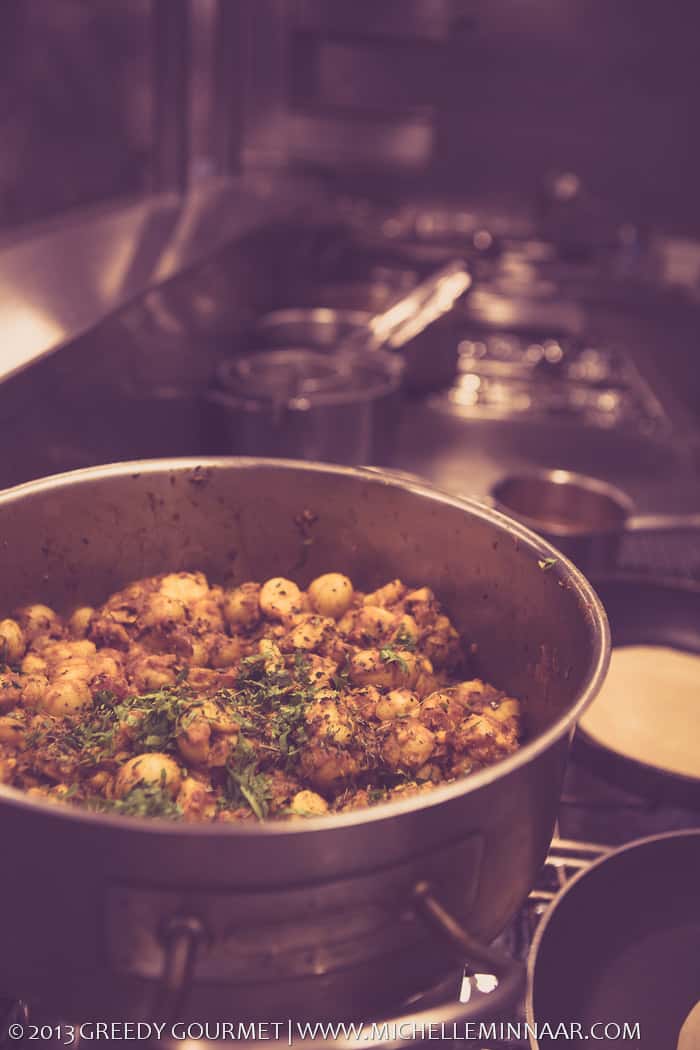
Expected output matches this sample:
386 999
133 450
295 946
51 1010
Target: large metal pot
312 918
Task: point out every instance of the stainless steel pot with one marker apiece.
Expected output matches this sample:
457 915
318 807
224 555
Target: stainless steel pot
302 404
586 518
318 918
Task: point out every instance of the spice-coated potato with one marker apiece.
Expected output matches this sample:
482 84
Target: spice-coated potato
331 594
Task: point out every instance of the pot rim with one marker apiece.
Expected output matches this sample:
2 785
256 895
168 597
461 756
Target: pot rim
558 566
610 855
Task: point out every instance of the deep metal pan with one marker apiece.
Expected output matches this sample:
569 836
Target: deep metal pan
619 946
316 918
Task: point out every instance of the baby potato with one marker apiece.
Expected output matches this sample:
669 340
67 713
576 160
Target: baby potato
224 651
71 670
194 739
66 698
310 631
327 767
206 616
38 620
194 799
160 611
274 661
328 720
34 664
241 606
12 642
152 768
389 668
409 745
33 688
10 690
308 804
367 625
397 704
79 621
185 587
279 598
331 594
153 672
507 710
12 732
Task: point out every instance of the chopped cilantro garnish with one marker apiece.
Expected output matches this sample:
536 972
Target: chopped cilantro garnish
391 656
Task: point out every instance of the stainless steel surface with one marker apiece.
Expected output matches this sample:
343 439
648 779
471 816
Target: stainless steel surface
584 517
309 327
307 405
479 842
118 252
171 118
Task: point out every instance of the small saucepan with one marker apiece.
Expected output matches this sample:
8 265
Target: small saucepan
584 517
617 952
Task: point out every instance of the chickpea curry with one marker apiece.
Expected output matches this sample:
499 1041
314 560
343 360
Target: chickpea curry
185 700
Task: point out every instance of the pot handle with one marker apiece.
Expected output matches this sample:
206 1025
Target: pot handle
474 956
183 935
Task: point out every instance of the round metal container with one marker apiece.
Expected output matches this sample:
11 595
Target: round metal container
314 918
307 405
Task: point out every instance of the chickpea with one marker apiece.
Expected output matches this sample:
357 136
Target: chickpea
153 768
241 607
410 744
12 732
308 804
38 620
397 704
67 698
331 594
279 598
12 643
10 690
79 621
